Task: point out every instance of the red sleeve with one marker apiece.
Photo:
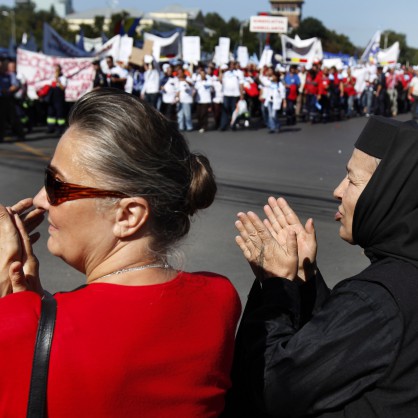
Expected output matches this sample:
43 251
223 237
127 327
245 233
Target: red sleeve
19 315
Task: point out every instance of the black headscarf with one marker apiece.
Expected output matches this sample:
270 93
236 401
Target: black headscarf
385 219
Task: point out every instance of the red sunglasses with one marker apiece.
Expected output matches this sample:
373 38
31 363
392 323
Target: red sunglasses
58 191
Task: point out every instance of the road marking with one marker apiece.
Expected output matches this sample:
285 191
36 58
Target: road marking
33 151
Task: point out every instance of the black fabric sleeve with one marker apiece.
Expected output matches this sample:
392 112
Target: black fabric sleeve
291 368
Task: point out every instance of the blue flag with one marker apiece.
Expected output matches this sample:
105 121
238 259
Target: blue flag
57 46
80 43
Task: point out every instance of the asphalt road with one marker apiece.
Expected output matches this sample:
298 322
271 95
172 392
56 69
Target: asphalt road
303 163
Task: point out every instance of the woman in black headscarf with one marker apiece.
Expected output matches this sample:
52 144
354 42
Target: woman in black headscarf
304 351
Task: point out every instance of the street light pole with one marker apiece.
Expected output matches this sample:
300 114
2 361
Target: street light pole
241 30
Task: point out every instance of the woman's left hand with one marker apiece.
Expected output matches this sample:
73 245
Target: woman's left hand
267 256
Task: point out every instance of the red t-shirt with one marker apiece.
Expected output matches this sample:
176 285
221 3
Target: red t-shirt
312 83
125 351
349 84
323 86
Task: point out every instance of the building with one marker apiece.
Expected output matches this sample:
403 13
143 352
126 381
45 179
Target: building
177 15
166 18
292 9
75 20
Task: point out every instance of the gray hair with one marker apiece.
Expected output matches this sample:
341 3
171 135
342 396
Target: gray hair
134 149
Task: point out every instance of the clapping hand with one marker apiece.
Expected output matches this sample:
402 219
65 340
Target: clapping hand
280 218
268 257
274 245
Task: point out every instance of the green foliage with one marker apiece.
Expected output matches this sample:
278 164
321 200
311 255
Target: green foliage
310 28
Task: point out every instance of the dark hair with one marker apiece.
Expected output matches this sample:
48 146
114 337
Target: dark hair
134 149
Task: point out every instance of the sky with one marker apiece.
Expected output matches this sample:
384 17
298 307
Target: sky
358 19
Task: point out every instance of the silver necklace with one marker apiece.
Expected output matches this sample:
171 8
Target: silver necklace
138 268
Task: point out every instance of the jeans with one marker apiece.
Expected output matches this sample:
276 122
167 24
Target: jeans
151 99
265 114
228 108
367 100
184 116
273 121
414 105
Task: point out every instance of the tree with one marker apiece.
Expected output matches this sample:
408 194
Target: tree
311 28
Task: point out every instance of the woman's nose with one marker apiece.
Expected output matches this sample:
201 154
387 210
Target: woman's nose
40 200
339 190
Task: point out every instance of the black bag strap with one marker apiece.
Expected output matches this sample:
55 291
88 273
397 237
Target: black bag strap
39 378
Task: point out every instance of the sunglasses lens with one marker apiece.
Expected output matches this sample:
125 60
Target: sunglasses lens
50 186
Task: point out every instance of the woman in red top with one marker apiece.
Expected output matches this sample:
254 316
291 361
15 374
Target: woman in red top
140 339
349 93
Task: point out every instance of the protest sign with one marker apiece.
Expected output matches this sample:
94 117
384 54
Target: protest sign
268 24
223 51
242 56
191 49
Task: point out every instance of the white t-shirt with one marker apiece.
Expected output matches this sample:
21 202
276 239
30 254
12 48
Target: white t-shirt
151 82
204 91
414 85
63 80
230 83
185 91
276 95
170 89
218 90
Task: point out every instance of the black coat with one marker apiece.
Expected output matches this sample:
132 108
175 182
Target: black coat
353 353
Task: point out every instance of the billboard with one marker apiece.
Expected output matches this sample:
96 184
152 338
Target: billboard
268 24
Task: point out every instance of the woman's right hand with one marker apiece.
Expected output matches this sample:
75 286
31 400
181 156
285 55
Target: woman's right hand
281 217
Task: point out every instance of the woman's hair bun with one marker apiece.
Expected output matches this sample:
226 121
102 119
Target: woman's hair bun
202 189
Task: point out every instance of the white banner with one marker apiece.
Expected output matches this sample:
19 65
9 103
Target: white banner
389 56
268 24
38 70
191 49
242 56
301 51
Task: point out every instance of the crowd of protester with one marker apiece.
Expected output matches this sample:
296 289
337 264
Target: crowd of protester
204 96
268 97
